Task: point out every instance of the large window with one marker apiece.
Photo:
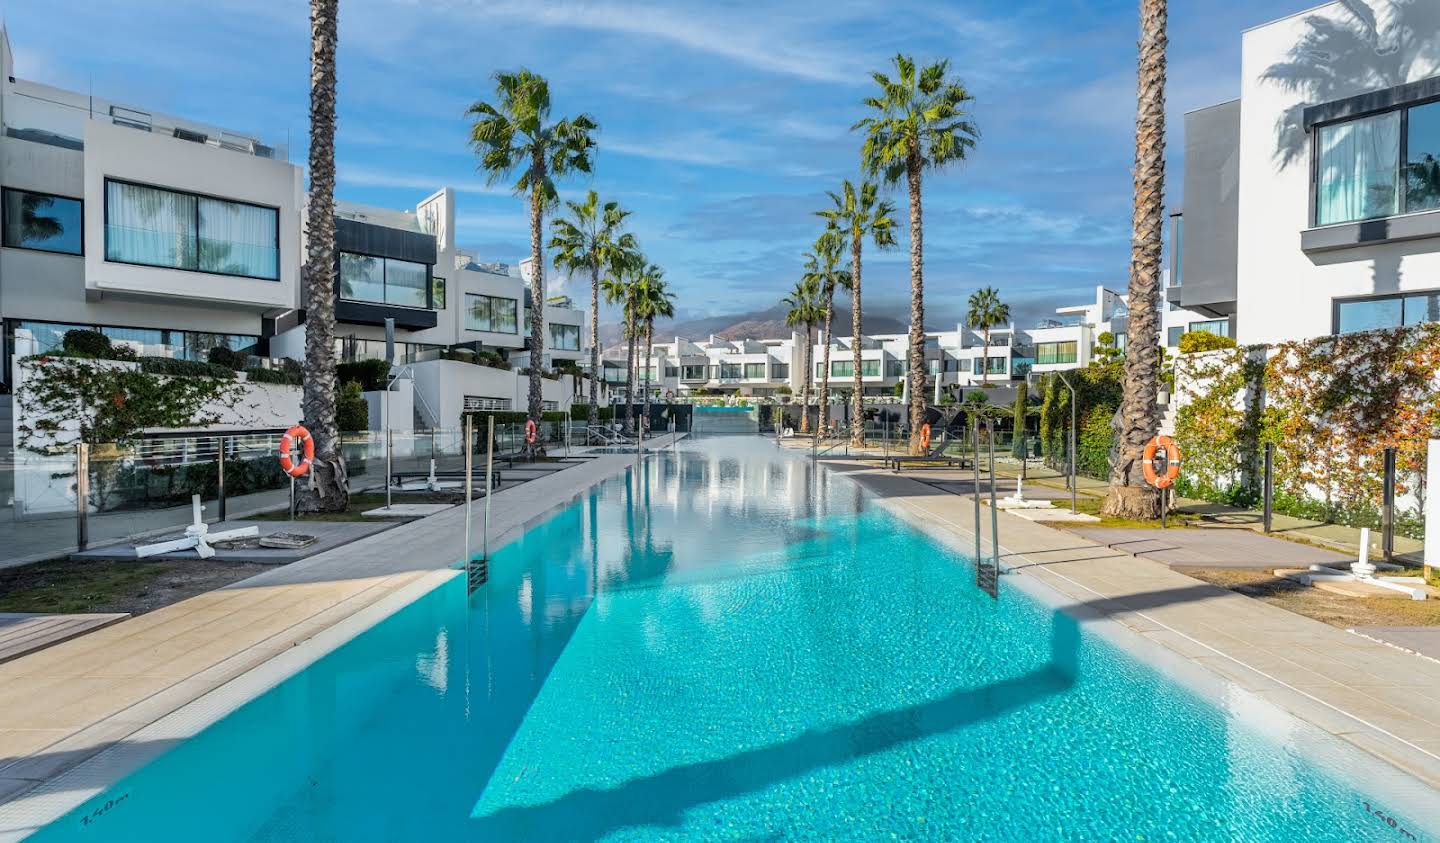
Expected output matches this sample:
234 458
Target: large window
780 371
1173 338
564 337
696 372
42 221
368 278
437 293
730 371
157 227
755 371
1386 312
996 365
842 368
491 313
894 368
40 337
1218 327
1378 166
1047 353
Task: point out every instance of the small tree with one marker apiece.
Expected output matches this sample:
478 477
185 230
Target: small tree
1021 410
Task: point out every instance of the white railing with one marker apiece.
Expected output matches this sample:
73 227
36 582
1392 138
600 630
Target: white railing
475 403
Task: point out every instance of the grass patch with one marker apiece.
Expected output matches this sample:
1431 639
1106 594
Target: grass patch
1334 609
1091 506
64 586
359 504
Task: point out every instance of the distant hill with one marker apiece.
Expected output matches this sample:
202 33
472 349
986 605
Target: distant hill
755 325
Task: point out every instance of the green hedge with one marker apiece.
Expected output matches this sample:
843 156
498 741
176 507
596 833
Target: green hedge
185 368
372 375
352 412
277 376
1098 391
581 412
142 486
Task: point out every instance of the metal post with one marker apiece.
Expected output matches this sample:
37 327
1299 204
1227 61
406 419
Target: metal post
489 489
975 458
220 479
292 498
1164 506
469 485
389 458
82 495
1387 508
994 508
1074 468
1268 490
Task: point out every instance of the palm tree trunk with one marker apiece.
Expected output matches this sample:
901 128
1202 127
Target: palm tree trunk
985 360
805 384
825 379
594 417
649 348
537 297
630 371
857 399
917 303
327 490
1139 418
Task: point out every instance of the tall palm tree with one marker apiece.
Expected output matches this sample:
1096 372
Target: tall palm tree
1139 418
986 311
586 241
516 135
327 490
918 122
620 286
829 248
804 311
653 299
857 214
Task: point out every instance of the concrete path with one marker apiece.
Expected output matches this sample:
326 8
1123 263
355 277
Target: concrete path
1376 697
65 704
22 633
1423 640
1215 548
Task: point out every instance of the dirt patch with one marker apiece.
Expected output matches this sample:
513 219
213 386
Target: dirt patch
1334 609
65 587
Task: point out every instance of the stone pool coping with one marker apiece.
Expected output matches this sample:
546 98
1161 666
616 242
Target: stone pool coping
1377 698
81 715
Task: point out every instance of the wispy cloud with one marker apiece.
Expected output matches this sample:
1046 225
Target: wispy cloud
362 176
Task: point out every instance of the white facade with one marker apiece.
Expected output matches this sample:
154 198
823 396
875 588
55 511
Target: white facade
1337 230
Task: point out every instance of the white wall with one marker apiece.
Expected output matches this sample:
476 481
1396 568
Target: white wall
1283 294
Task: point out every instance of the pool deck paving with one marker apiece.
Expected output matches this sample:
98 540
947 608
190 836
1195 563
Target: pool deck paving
1377 697
65 704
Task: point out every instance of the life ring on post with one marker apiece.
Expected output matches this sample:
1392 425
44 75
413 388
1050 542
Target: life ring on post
1172 462
299 434
925 436
530 432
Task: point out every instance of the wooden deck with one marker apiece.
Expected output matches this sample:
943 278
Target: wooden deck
21 633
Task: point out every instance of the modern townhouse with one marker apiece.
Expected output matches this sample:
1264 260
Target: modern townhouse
1312 202
954 360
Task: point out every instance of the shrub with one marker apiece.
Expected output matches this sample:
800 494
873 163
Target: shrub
1096 439
89 343
185 368
581 412
371 375
782 390
352 413
231 359
280 376
899 389
1192 342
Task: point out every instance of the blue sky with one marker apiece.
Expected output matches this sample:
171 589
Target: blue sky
722 124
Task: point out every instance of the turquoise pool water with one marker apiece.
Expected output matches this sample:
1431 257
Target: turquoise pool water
727 644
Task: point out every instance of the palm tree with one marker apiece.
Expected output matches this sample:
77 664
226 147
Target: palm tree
804 310
986 311
829 247
620 287
918 123
1139 418
516 135
587 241
652 299
858 213
327 490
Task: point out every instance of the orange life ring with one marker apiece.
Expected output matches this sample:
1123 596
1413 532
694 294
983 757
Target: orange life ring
307 447
530 431
1172 462
925 435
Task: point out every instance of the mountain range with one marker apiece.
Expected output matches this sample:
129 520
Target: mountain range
756 324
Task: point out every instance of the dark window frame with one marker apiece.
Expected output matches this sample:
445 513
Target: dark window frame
516 302
105 221
5 191
1336 302
579 335
385 281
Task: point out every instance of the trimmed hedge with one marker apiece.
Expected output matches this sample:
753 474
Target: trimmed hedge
185 368
285 378
222 356
581 412
372 375
352 412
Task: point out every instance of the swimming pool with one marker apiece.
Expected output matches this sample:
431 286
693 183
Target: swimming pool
728 643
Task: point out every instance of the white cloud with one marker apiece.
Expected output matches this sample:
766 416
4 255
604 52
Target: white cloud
369 177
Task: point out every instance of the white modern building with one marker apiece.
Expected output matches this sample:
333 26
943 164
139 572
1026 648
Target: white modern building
1312 203
954 360
176 237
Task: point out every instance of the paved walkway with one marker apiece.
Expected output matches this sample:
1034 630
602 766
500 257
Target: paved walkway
1189 548
22 633
67 703
1379 698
